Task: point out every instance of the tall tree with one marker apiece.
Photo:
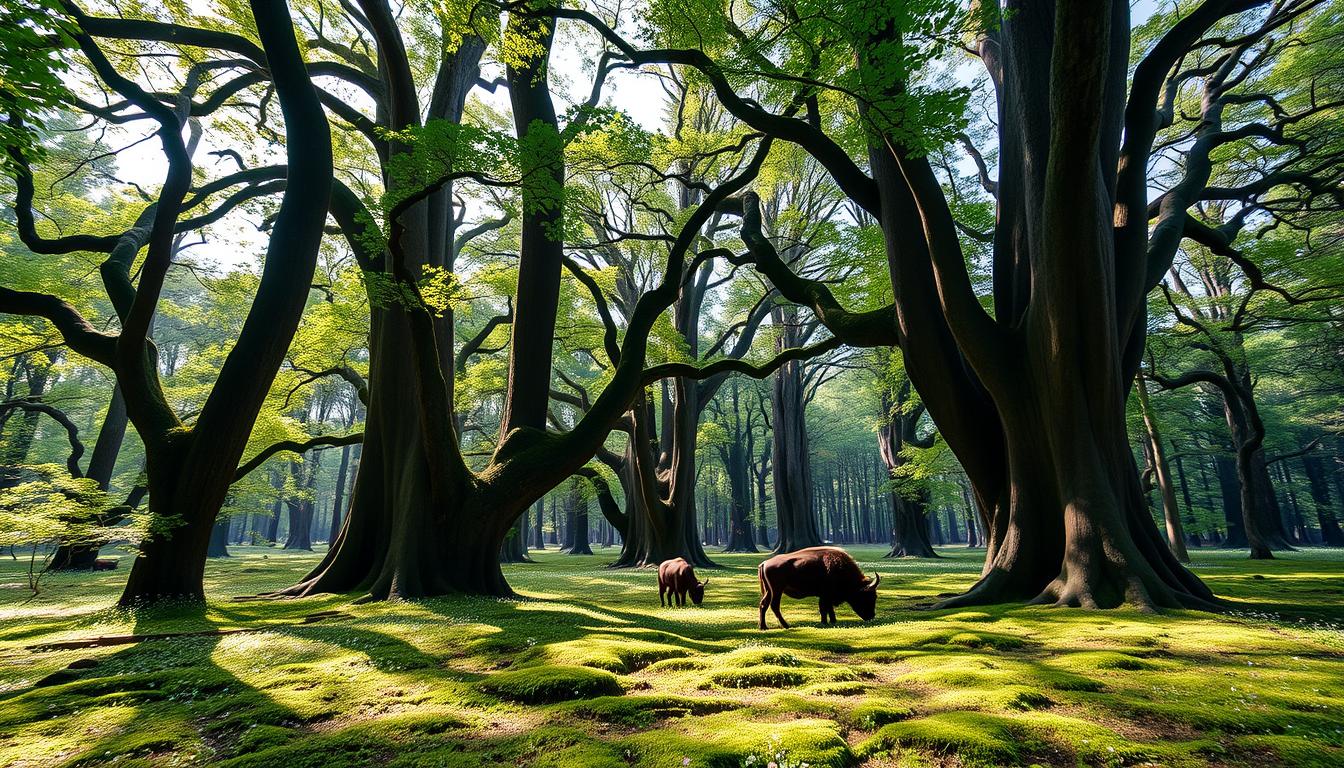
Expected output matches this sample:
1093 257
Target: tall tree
189 468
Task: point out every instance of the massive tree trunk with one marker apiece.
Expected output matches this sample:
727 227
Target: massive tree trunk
1032 400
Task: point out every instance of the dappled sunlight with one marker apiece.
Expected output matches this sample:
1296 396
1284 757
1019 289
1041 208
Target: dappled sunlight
586 669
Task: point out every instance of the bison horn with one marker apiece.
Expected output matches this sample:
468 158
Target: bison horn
877 579
703 583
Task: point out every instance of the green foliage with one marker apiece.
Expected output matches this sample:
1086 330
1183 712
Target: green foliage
35 45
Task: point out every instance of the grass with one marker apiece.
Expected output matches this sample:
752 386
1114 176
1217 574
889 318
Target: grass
584 669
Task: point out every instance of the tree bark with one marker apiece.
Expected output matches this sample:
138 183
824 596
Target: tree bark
1162 472
790 454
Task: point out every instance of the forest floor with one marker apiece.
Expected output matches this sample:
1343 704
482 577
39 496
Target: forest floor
584 669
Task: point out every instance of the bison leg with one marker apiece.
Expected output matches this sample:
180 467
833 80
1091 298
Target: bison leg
833 619
662 590
825 611
774 606
681 598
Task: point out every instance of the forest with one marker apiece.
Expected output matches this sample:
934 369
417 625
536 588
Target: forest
1010 332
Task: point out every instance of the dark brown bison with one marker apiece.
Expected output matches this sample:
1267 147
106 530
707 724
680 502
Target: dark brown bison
105 564
675 579
826 573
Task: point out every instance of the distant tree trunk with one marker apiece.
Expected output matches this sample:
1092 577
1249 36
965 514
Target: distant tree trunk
909 506
301 506
1331 535
735 458
273 524
762 527
1162 474
791 460
514 549
578 530
219 538
338 504
102 465
539 523
1230 492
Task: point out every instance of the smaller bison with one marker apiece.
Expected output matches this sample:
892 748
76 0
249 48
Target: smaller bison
675 579
826 573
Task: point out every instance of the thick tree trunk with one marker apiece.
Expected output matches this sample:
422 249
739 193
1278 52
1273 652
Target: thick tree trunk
190 474
1032 400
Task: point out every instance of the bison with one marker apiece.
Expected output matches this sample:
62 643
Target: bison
826 573
675 579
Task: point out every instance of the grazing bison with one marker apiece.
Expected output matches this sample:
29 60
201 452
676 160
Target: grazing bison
675 579
826 573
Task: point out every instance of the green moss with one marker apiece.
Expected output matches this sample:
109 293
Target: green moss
762 676
459 682
546 683
1288 750
726 741
873 714
969 616
612 653
975 738
641 711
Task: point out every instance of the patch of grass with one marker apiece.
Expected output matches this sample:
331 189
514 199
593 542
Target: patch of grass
641 711
976 739
761 676
546 683
873 714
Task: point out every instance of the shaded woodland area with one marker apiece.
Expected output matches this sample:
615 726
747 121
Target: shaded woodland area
436 290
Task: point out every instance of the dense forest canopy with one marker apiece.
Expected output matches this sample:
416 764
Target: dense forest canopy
438 283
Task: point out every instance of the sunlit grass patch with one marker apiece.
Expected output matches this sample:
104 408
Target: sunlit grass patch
546 683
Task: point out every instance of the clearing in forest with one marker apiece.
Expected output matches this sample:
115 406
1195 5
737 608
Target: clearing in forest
584 669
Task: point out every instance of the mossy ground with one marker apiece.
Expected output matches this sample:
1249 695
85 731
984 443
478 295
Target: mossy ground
584 669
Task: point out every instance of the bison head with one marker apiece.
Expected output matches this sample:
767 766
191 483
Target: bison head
864 602
698 592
